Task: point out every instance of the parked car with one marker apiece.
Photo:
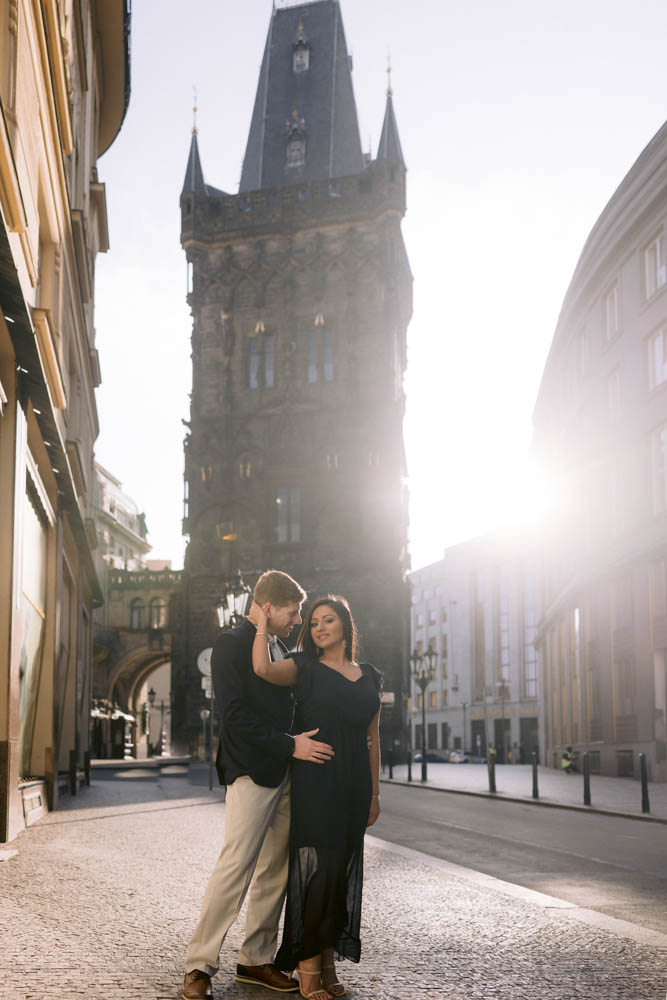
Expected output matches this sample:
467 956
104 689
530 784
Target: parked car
458 757
431 757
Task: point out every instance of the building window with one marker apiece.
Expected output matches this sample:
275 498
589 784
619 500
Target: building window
624 687
504 637
253 364
296 152
623 603
137 613
657 358
287 516
659 469
261 360
658 590
611 314
158 612
583 358
301 58
445 697
614 396
433 699
269 351
655 272
529 634
320 355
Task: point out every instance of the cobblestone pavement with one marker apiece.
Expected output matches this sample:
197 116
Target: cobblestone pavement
103 895
617 794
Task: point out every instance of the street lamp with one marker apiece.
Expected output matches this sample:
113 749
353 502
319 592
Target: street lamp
423 672
231 604
163 708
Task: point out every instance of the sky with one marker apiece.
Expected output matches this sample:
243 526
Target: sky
518 120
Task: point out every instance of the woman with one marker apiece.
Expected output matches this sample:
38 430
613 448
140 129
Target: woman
332 803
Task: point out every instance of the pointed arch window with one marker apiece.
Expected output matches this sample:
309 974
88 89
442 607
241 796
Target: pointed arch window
320 352
261 360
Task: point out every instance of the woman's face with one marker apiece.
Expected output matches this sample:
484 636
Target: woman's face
326 628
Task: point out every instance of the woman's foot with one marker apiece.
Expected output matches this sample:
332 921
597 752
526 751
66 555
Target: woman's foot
310 984
329 977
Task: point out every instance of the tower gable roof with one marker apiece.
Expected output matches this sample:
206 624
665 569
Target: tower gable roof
194 175
320 98
389 147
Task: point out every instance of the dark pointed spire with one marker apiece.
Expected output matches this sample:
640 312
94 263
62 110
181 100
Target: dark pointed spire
305 75
194 175
390 145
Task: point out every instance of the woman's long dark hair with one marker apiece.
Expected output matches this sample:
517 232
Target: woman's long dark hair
350 632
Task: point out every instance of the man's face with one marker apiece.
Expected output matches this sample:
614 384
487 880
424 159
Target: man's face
283 618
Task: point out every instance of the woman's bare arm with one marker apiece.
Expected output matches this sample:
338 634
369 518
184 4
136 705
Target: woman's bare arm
281 672
373 734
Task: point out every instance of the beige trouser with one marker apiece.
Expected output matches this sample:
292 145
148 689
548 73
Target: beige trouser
256 841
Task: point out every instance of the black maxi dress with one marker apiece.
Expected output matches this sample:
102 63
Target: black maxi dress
329 805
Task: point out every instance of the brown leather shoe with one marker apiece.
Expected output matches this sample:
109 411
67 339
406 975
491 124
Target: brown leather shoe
197 986
266 975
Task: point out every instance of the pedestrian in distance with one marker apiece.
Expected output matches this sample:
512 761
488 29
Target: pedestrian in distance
256 747
568 761
331 806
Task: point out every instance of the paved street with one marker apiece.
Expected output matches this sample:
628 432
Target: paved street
103 894
616 794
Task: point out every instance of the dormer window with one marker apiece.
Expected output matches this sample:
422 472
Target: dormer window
296 152
300 51
295 129
301 58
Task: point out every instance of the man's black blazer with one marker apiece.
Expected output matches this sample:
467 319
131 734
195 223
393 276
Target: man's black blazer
256 716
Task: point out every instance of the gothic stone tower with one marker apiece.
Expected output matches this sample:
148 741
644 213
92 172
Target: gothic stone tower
301 296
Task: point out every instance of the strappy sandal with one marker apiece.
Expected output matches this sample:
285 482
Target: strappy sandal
336 989
318 994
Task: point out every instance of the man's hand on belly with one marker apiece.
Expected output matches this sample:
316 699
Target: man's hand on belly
306 748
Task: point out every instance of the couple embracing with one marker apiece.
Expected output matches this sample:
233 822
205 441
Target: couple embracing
297 806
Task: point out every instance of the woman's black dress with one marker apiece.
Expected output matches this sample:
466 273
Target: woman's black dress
330 806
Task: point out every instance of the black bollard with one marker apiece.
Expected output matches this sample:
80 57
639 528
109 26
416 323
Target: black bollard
72 772
492 772
536 793
86 766
390 755
646 806
409 763
587 780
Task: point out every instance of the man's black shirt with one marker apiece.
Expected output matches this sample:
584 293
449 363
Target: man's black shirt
256 716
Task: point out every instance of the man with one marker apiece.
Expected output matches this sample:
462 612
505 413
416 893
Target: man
253 757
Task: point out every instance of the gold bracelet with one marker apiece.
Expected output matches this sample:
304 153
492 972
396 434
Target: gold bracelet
262 633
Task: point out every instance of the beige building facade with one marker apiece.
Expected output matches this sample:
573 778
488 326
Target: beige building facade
64 88
601 436
478 609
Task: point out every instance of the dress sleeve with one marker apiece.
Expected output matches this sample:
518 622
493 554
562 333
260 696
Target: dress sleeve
377 677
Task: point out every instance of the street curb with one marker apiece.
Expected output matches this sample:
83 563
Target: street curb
500 797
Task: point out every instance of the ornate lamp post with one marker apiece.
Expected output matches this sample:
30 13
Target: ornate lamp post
231 605
163 708
423 672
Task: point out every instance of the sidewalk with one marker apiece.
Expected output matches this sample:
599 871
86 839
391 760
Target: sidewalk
623 795
103 895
